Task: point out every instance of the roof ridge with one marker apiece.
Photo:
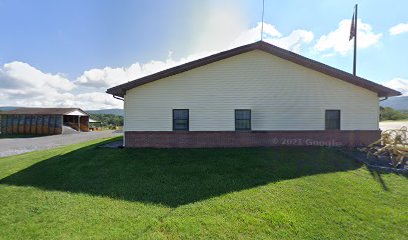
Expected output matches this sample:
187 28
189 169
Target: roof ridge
382 91
42 111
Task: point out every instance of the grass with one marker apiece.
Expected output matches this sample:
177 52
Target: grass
83 191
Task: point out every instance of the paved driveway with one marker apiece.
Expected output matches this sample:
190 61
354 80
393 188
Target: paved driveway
13 146
393 125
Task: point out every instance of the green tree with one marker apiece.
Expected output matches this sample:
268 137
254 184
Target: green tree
387 113
108 119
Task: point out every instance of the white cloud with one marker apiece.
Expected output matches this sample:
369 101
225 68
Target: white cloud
398 29
109 77
87 101
94 100
24 85
27 77
254 34
214 26
338 40
292 42
398 84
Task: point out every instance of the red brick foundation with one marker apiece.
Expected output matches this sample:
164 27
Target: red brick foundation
206 139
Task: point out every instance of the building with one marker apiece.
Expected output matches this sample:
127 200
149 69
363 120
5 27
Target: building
253 95
43 121
95 125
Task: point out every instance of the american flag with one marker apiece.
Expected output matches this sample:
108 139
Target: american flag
353 28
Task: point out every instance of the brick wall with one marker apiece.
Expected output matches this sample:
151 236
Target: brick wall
207 139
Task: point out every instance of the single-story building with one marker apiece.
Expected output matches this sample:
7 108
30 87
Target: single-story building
254 95
43 121
95 125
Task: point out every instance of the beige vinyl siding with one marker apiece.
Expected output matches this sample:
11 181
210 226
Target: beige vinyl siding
281 95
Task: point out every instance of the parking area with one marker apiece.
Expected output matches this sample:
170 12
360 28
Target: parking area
393 125
13 146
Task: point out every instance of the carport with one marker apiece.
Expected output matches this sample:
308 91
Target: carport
43 121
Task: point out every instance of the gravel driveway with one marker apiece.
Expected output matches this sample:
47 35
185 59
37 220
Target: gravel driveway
393 125
13 146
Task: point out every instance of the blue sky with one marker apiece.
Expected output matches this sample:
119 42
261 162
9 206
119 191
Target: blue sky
76 49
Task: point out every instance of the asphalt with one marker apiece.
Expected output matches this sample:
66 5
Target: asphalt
13 146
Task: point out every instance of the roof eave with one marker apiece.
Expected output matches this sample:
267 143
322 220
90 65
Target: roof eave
382 91
392 93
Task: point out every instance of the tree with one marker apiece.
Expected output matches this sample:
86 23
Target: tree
108 119
387 113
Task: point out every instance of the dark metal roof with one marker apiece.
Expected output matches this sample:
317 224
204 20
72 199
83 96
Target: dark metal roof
382 91
42 111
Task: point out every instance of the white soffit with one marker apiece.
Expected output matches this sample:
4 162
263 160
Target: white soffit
76 113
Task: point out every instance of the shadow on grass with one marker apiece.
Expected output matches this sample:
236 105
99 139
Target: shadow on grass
175 177
378 178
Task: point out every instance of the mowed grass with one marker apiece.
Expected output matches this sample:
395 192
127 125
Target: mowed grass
84 191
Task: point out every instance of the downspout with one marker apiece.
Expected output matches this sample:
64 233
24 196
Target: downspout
122 99
379 115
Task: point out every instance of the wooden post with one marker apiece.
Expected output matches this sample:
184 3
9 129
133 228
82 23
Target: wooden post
62 124
29 124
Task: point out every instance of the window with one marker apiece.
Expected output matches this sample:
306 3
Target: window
180 119
242 119
332 119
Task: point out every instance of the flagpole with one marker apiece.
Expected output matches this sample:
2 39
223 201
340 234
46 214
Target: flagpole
263 10
355 41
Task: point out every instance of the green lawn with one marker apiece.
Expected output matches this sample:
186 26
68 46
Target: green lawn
83 191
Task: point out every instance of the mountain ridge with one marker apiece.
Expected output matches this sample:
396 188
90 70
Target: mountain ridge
398 103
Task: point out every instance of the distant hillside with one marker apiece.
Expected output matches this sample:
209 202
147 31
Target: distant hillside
114 111
7 108
398 103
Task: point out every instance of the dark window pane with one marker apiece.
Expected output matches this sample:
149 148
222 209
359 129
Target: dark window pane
180 119
243 114
243 124
332 119
180 114
333 114
242 119
180 124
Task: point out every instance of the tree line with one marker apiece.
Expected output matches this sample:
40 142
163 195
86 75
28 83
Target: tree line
387 113
108 119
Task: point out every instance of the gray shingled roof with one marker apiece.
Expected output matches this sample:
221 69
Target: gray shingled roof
42 111
382 91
